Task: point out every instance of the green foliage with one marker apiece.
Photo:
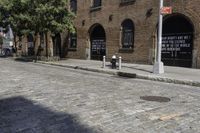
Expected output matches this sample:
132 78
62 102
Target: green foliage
35 16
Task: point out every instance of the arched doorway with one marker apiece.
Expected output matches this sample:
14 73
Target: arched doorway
177 41
57 45
98 42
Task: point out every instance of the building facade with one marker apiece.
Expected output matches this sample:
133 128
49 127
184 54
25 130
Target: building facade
128 28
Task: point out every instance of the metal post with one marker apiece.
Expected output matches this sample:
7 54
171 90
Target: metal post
158 67
104 62
120 63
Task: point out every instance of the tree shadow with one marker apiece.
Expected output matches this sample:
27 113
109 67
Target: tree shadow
20 115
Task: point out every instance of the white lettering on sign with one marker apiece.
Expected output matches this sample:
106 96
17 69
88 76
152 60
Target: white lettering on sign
175 42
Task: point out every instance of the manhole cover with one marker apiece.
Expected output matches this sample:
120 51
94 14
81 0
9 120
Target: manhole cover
155 98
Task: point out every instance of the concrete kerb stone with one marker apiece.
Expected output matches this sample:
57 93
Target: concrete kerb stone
168 80
80 68
99 70
127 74
57 64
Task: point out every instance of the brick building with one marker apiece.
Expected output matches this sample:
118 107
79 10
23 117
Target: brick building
129 28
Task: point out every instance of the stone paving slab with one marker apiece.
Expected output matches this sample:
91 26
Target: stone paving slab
39 98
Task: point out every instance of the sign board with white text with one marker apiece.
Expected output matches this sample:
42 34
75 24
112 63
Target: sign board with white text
166 10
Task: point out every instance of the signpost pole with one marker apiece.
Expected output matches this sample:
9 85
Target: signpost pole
158 67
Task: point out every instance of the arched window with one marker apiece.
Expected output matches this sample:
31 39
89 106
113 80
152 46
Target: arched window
73 40
73 6
96 3
127 34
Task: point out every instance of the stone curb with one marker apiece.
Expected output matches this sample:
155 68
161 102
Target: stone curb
80 68
129 75
168 80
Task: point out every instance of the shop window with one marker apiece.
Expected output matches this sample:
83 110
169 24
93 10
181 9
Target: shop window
127 34
72 40
73 6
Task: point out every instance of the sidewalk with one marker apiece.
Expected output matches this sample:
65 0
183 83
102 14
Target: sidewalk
177 75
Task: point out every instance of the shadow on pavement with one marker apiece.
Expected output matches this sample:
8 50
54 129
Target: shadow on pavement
19 115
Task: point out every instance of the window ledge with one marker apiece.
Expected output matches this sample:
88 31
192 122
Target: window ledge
126 50
96 8
72 49
127 2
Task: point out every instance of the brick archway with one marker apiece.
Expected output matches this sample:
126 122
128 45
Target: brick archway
191 20
177 41
97 42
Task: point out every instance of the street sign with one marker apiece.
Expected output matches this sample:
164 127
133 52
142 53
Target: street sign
166 10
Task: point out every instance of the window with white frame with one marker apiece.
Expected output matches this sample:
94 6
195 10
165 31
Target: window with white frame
127 34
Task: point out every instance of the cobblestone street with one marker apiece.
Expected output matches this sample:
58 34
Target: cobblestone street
36 98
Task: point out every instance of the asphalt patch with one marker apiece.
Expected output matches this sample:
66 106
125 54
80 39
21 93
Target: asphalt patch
155 98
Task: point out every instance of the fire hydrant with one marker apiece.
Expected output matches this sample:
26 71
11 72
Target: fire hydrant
113 62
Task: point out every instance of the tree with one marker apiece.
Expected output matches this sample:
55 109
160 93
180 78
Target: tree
36 16
53 16
16 14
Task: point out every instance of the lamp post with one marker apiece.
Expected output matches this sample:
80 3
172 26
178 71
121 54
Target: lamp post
158 67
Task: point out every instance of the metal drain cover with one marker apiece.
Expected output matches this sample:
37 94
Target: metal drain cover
155 98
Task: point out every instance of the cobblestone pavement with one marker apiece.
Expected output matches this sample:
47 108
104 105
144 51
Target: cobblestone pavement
38 98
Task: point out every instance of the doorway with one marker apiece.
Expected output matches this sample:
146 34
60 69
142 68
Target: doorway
30 45
98 42
177 41
57 45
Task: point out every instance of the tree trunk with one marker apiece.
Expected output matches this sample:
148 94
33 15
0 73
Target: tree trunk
15 43
46 40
